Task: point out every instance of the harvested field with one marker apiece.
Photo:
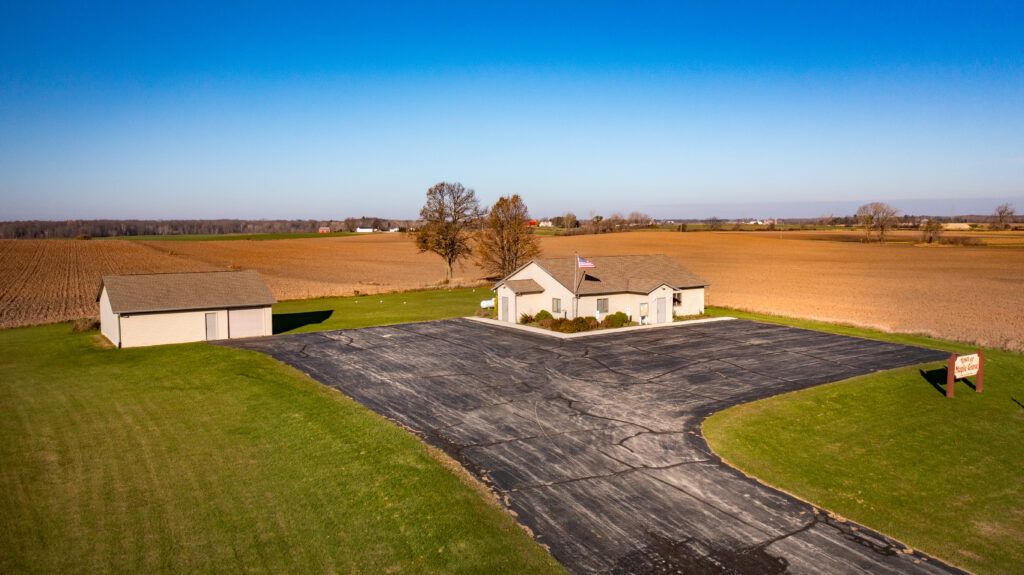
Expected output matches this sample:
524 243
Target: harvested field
963 293
44 281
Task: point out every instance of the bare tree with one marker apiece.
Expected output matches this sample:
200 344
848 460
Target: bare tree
1004 213
877 216
569 220
714 223
507 242
448 218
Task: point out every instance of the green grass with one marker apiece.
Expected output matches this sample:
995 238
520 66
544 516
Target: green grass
365 310
196 458
228 237
891 452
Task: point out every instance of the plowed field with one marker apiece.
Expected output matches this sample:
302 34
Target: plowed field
973 294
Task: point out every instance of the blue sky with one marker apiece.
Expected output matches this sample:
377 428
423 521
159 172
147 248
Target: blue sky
677 109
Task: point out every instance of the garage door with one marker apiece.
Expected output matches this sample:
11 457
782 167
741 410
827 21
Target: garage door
245 322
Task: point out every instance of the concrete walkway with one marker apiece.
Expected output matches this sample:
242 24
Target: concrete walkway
595 443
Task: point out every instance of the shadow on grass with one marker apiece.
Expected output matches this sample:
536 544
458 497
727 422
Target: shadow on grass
1018 402
937 377
284 322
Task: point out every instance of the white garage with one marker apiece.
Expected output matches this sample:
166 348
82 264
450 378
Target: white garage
153 309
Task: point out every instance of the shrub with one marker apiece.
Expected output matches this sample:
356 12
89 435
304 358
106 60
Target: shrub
83 237
542 315
85 324
615 320
525 318
591 322
545 323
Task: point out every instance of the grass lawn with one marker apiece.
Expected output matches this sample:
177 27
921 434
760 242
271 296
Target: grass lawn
365 310
228 237
195 458
890 451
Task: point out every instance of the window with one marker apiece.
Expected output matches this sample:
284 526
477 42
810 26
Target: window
556 305
677 298
602 305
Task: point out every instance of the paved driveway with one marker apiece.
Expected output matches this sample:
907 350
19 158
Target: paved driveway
594 443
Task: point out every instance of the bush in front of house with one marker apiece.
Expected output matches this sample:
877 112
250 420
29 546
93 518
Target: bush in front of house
542 315
615 320
570 325
525 318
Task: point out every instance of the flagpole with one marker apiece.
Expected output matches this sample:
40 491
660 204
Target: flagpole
575 271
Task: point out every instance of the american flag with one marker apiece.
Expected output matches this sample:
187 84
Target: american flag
584 264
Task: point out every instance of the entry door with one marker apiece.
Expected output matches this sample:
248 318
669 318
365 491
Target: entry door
661 310
504 308
211 326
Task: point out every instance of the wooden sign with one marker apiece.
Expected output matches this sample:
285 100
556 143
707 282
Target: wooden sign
961 366
966 366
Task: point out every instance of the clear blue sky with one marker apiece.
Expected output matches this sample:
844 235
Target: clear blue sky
677 109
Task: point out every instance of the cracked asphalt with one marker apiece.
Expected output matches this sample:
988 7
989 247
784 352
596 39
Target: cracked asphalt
595 443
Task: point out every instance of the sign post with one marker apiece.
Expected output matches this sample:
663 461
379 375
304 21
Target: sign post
961 366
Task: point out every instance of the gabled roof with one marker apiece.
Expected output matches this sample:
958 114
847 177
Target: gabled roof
139 293
616 274
524 286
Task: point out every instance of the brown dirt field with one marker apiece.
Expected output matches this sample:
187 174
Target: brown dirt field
962 293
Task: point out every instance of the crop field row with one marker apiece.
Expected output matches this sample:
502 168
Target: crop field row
970 294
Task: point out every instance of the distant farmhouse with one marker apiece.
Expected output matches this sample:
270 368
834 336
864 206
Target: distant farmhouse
154 309
651 288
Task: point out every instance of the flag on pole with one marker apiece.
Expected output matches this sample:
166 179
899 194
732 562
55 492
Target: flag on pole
584 264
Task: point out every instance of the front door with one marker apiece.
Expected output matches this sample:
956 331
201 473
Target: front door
661 310
504 308
211 326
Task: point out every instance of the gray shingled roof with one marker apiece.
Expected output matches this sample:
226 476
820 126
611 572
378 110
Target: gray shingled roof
618 274
139 293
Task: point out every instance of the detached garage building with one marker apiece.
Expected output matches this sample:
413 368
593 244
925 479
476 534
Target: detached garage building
154 309
651 288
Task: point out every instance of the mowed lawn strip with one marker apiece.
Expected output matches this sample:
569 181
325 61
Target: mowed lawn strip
197 458
382 309
891 452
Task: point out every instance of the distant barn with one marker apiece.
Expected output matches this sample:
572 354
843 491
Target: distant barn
323 230
154 309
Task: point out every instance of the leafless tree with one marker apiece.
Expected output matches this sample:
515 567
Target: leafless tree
639 220
449 217
507 242
569 221
877 216
1004 213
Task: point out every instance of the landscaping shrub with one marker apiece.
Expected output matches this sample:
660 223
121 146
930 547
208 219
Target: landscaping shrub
542 315
591 322
545 323
615 320
86 324
525 318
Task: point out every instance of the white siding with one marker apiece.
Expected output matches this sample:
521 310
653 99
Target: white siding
692 304
109 325
247 322
139 329
534 302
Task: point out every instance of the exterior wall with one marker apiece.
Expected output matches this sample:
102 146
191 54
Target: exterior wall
109 325
693 302
534 302
249 322
141 329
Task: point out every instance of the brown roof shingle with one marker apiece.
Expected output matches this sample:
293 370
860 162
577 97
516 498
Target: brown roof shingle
139 293
524 286
618 274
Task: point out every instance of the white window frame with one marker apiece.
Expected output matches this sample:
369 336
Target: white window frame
602 302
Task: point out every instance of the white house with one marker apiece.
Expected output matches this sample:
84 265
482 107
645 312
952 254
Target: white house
154 309
648 288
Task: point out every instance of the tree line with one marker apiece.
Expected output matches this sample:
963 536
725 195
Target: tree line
40 229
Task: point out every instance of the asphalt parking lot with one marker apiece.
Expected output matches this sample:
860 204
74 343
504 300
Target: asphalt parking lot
594 443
